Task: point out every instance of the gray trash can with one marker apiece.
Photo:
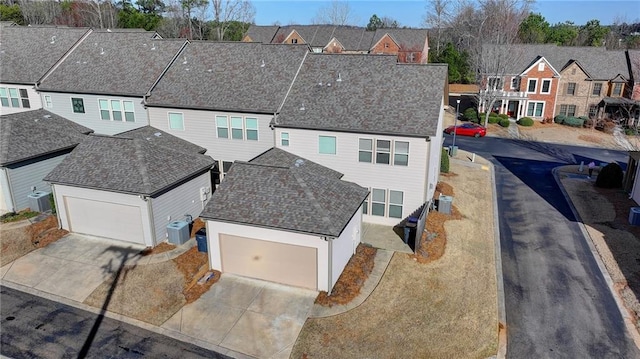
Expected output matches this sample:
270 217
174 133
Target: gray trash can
453 150
444 204
201 239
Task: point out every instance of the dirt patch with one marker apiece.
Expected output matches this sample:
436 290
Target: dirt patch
160 248
154 292
605 215
433 310
18 239
352 278
555 133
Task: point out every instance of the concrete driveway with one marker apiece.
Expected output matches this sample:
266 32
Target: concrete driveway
238 316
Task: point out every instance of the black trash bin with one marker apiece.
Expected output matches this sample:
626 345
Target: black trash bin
201 239
410 229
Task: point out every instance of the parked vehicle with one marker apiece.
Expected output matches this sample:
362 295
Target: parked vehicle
467 129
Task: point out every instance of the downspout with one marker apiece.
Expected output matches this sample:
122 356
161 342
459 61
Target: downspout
11 196
153 220
55 201
330 269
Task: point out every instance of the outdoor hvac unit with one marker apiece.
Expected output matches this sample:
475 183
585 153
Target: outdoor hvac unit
178 232
444 204
634 216
39 201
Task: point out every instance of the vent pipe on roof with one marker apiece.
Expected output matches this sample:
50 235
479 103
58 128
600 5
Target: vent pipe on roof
339 79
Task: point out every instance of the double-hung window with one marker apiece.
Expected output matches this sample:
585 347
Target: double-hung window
365 150
593 110
532 85
383 151
327 145
251 128
617 90
14 98
4 97
401 153
571 88
105 112
284 139
129 112
395 204
365 204
47 101
597 89
378 202
236 127
535 109
116 110
24 97
222 126
546 86
176 121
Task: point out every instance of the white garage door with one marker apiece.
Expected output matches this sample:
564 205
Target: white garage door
105 219
276 262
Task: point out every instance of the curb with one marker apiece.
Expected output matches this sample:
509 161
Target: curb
502 311
632 331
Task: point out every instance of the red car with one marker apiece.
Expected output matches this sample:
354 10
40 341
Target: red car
467 129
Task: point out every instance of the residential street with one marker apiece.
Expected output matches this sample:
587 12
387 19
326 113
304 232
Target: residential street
557 302
34 327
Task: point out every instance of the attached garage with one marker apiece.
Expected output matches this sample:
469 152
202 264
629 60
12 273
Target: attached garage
272 261
130 189
284 219
105 219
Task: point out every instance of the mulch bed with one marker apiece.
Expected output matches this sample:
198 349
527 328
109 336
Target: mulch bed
194 265
434 240
352 278
45 232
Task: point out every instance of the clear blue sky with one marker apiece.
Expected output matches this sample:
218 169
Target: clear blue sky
411 12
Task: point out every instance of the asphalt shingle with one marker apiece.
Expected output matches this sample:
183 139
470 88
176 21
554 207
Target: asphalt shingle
229 76
600 63
31 134
281 158
263 34
125 165
287 198
375 95
28 52
113 63
409 39
162 138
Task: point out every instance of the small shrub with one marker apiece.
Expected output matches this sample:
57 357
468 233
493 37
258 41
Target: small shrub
52 202
560 119
525 121
573 122
470 114
630 131
610 176
494 119
504 122
589 123
444 161
503 115
14 217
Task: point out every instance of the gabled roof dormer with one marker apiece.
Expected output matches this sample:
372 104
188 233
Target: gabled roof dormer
539 63
294 35
386 38
579 65
334 43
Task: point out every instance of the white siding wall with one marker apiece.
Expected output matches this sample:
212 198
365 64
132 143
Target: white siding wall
5 195
24 177
435 154
61 105
408 179
214 228
344 246
34 100
173 205
112 197
200 128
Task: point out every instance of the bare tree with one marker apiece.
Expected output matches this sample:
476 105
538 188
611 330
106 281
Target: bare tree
335 13
225 11
39 12
438 16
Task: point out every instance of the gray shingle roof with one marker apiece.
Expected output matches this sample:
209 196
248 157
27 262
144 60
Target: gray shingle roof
634 60
113 63
307 32
376 95
413 39
354 39
229 76
281 158
287 198
30 134
27 53
162 138
134 166
601 64
263 34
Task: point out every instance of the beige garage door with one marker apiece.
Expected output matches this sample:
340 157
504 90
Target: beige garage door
104 219
276 262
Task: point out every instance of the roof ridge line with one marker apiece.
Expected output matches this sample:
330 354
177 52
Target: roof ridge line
142 167
314 202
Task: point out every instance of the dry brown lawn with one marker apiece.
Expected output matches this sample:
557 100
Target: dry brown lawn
605 215
20 238
442 309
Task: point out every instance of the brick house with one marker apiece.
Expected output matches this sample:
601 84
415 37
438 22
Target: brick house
533 86
410 45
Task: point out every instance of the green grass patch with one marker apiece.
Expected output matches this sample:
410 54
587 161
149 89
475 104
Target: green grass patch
14 217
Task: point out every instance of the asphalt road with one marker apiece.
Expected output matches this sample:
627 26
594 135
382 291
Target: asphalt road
34 327
557 302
